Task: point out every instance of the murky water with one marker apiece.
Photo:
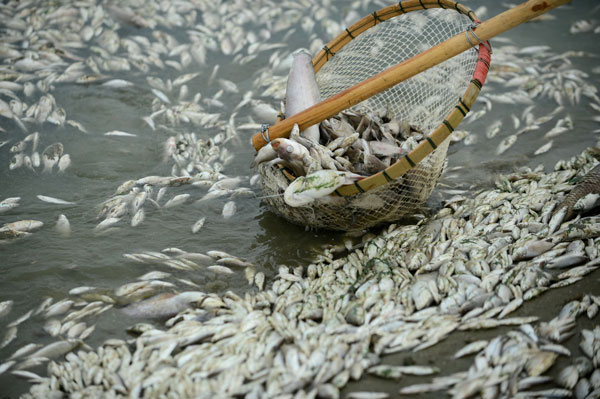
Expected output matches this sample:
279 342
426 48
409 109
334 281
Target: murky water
48 265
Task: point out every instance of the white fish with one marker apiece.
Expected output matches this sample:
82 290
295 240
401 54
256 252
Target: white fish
56 349
176 200
545 148
220 269
106 223
119 133
35 159
506 144
161 96
229 209
266 153
117 83
493 130
138 218
198 225
555 131
63 227
163 305
9 203
64 162
306 189
5 308
302 91
53 200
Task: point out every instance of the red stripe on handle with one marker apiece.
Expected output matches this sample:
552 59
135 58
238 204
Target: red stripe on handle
483 64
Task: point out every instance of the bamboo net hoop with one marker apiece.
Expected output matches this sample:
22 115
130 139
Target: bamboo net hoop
405 185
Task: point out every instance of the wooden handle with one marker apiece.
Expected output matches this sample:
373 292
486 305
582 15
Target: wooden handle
407 69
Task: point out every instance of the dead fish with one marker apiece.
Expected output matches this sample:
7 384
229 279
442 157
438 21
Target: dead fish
229 209
493 130
63 227
119 133
198 225
302 91
53 200
64 162
506 144
138 218
106 223
545 148
22 226
220 269
177 200
163 305
590 184
11 334
56 349
5 308
51 155
9 203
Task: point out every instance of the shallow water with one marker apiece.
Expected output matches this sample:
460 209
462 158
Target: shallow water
48 265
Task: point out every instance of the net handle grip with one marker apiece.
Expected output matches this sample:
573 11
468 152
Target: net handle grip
406 69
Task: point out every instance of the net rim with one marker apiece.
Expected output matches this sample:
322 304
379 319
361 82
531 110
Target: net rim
446 127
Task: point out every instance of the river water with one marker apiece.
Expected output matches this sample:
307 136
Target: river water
47 264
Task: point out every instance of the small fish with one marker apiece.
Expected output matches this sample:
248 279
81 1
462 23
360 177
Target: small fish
53 200
493 130
177 200
9 203
138 218
161 96
545 148
117 83
63 227
229 209
220 269
119 134
5 308
506 144
51 155
106 223
198 225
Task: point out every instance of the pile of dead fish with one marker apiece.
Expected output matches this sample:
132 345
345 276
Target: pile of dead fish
340 150
352 142
312 329
511 364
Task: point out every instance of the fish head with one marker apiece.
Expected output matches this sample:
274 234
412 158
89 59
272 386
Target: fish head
282 148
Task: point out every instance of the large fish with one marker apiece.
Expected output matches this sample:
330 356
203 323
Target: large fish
302 91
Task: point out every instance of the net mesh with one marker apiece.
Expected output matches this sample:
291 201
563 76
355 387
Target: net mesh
423 100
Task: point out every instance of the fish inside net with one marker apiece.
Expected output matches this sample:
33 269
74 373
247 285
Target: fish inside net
423 101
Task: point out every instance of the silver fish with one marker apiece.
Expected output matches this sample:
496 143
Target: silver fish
63 226
53 200
302 91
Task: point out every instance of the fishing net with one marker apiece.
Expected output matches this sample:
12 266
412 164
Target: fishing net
429 100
